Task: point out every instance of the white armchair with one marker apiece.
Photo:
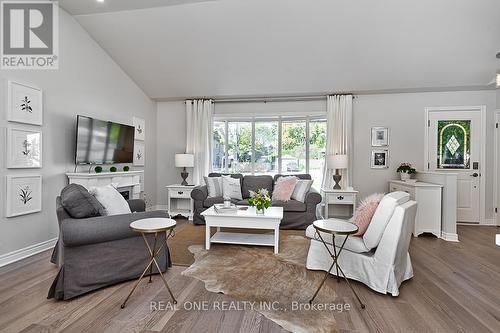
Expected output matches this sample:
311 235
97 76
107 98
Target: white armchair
380 258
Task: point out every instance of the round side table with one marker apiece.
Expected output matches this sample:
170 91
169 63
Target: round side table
335 228
153 226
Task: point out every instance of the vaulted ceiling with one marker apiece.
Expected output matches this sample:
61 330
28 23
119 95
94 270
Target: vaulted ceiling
175 48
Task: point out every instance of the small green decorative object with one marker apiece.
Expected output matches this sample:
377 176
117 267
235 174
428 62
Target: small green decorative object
98 169
126 168
112 169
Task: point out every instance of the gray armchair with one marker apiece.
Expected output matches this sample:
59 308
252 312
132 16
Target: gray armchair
96 252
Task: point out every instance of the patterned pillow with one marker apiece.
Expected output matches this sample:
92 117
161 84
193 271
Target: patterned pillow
231 188
283 188
214 186
365 211
301 189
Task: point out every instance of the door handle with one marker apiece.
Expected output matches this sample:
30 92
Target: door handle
475 174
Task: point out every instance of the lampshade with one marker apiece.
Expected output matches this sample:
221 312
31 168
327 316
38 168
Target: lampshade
337 161
184 160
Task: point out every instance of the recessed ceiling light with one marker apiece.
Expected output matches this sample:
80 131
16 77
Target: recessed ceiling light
100 0
498 80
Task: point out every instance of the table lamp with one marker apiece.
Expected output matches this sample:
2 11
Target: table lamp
337 162
184 161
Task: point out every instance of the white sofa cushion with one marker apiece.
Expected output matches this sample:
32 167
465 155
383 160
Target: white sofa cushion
111 199
382 216
353 243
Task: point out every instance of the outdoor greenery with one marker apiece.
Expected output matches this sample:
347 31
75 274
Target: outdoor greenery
460 131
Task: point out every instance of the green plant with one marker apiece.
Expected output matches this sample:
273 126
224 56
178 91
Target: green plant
406 168
126 168
260 199
98 169
112 169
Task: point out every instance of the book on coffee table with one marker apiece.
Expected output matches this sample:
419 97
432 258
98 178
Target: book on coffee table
221 209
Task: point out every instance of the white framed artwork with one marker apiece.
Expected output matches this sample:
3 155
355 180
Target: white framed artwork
140 129
24 103
380 159
24 195
380 136
24 148
139 153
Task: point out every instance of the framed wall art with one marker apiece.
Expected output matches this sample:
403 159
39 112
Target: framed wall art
139 153
140 129
24 148
380 159
24 103
380 136
24 195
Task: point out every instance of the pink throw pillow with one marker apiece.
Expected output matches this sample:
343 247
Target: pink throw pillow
283 189
365 211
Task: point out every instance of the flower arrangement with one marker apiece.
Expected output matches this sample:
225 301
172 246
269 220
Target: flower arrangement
260 199
406 168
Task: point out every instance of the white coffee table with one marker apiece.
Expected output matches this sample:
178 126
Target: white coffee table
245 219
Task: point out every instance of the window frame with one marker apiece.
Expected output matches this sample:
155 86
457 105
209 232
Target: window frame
253 120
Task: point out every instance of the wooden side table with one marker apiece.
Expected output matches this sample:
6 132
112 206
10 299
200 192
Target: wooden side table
331 198
179 200
149 226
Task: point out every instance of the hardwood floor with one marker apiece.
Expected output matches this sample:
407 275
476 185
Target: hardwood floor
456 288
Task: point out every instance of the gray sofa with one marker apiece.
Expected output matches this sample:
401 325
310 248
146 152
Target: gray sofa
296 214
95 252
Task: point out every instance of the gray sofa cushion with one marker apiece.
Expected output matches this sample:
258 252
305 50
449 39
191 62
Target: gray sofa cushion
255 183
291 205
298 175
79 203
243 202
209 202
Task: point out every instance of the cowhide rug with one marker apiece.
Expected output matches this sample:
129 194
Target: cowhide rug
280 285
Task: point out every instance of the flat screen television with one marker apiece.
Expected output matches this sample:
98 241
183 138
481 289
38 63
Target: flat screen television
103 142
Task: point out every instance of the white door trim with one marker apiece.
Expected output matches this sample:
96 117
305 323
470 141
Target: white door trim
496 166
482 182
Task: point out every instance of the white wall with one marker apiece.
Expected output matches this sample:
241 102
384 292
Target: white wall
402 113
88 82
171 130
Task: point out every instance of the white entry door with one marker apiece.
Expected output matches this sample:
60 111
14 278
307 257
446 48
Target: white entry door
455 146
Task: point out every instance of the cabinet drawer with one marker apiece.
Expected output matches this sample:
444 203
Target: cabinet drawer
409 190
347 199
179 193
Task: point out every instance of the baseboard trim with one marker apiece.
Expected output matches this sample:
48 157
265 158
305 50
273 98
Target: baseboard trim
28 251
489 222
449 237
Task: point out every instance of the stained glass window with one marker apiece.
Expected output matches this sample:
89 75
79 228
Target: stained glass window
453 144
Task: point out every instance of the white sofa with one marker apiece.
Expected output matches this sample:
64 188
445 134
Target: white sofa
380 258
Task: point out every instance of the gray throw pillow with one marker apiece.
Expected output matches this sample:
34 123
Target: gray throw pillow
301 189
79 203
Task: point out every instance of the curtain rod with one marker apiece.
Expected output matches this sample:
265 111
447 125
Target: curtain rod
274 99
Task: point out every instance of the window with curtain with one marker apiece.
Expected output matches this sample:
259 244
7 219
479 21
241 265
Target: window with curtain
269 146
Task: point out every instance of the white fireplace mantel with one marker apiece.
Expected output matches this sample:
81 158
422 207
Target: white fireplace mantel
126 180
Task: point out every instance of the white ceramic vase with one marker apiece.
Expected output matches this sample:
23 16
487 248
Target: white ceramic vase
405 176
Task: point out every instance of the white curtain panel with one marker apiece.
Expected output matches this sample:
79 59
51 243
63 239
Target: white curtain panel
199 114
339 137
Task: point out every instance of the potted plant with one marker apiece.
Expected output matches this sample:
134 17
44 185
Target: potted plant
260 200
405 170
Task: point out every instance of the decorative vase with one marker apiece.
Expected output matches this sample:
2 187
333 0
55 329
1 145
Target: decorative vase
259 211
405 176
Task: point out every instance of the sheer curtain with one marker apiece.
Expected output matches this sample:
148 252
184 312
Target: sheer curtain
338 136
199 114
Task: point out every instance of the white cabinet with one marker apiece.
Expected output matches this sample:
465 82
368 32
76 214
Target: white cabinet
428 198
335 200
179 200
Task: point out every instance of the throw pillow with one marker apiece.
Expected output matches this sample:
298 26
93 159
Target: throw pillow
111 199
365 211
301 189
231 188
214 186
283 188
79 203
